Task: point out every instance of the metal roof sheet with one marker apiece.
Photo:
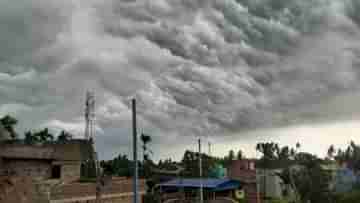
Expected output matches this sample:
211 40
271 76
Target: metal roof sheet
210 183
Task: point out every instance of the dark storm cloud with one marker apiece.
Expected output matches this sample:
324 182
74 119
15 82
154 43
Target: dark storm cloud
196 67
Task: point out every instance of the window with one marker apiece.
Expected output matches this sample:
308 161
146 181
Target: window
56 172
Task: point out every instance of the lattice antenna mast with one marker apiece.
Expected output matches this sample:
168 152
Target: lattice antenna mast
90 115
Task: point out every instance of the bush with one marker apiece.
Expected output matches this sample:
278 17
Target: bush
277 201
350 197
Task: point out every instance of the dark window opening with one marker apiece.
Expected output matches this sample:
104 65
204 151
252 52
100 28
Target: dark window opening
56 172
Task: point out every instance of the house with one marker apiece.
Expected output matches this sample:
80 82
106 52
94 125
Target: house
187 189
244 170
45 161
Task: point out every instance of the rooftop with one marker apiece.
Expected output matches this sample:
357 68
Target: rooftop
209 183
72 150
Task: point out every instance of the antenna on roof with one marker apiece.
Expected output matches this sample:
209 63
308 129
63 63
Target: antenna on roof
89 115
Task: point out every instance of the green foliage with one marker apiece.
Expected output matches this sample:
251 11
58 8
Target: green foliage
64 136
191 163
351 155
119 166
146 139
231 155
9 124
167 164
277 201
240 155
88 169
42 136
310 181
350 197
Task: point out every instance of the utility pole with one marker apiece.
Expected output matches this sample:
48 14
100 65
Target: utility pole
135 177
200 171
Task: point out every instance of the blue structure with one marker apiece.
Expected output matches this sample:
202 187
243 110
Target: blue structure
211 184
345 180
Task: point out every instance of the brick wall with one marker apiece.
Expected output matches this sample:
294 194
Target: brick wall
116 191
70 172
39 170
19 190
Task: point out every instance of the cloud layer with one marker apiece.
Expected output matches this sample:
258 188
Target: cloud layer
196 67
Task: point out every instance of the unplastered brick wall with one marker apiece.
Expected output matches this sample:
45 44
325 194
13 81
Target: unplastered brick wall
40 170
70 171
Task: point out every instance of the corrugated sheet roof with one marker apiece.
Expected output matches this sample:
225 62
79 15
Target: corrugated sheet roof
210 183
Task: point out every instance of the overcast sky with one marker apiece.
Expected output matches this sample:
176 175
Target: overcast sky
231 71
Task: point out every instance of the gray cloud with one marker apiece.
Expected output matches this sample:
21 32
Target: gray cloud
196 67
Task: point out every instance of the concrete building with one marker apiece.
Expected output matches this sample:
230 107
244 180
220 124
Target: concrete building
270 184
45 161
245 171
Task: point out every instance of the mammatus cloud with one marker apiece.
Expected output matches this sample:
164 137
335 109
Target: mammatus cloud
196 67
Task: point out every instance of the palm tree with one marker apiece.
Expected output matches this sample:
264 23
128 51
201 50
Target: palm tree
231 155
240 155
146 139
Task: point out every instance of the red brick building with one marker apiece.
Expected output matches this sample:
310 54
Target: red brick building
245 171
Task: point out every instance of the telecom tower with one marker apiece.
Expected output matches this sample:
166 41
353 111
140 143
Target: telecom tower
89 115
89 135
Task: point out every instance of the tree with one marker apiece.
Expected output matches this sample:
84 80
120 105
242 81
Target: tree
239 155
64 136
311 181
146 139
270 151
351 156
29 138
9 123
231 155
41 136
331 151
190 162
44 136
119 166
283 154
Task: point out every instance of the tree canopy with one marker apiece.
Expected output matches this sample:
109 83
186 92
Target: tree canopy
9 123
